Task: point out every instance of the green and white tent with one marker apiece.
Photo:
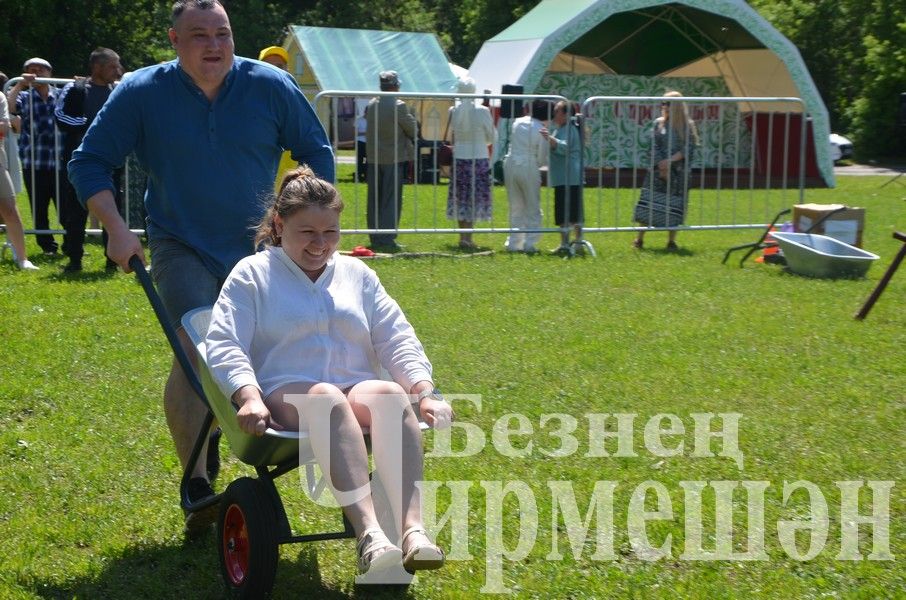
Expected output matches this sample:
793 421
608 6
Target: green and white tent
328 58
639 47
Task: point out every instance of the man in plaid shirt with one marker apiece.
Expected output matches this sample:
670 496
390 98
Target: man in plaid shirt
39 147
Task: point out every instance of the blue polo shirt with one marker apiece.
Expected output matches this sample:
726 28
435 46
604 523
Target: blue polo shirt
210 165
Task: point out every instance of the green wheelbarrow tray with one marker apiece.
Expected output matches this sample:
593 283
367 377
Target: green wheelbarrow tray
272 448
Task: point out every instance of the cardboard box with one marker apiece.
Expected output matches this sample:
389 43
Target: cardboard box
845 225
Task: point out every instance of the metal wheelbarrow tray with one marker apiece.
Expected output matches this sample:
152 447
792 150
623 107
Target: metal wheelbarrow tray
816 255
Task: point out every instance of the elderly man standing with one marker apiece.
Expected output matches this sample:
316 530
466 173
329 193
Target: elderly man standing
209 129
77 106
39 148
391 131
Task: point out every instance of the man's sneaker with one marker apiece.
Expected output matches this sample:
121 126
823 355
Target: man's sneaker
213 468
199 521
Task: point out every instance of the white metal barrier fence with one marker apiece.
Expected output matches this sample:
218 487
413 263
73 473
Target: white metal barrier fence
749 164
425 201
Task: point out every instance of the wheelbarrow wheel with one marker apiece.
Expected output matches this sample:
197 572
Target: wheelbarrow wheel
247 531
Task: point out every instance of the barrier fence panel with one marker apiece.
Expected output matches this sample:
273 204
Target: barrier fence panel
747 162
131 183
424 206
743 159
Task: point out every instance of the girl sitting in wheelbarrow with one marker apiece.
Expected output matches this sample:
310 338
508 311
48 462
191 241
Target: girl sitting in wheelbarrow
299 327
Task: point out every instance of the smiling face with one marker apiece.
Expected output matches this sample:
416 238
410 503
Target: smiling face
203 42
309 236
38 70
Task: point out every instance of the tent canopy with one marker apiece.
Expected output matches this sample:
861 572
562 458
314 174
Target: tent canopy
650 38
350 59
658 39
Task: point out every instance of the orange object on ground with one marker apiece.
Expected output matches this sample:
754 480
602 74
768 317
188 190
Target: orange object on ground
771 248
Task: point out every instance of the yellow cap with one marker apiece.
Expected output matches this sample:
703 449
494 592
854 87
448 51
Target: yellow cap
274 50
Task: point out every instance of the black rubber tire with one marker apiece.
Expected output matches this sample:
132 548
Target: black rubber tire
247 539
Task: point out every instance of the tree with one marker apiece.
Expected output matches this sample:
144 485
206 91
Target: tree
854 49
65 33
873 115
261 23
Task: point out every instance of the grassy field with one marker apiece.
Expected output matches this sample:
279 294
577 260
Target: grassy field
88 476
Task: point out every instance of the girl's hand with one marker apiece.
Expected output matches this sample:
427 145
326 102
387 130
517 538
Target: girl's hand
436 413
253 415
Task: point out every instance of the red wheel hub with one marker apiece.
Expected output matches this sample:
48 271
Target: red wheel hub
235 545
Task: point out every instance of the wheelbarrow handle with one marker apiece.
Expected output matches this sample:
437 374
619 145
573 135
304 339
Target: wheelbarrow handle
136 264
755 245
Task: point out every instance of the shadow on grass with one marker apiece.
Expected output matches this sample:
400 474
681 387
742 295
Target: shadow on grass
663 250
192 570
84 276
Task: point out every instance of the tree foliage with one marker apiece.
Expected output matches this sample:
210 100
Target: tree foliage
854 49
856 53
65 33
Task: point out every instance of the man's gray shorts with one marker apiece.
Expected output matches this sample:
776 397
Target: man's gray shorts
181 278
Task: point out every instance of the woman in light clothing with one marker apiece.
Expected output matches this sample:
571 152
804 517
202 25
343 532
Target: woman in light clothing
15 232
469 194
300 323
521 172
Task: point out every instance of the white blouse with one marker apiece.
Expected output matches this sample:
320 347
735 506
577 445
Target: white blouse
473 130
272 326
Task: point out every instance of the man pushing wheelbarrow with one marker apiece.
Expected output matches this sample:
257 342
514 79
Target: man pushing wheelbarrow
209 133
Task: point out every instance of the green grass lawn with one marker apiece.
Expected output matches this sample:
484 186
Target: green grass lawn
88 475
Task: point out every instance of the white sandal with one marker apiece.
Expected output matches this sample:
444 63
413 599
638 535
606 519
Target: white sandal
376 552
424 556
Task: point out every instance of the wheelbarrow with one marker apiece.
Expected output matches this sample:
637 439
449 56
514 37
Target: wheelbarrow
252 522
763 242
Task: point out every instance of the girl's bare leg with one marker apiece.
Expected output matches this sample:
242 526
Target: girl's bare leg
396 443
336 439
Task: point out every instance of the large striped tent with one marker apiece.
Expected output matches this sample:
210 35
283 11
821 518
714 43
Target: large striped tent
642 40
